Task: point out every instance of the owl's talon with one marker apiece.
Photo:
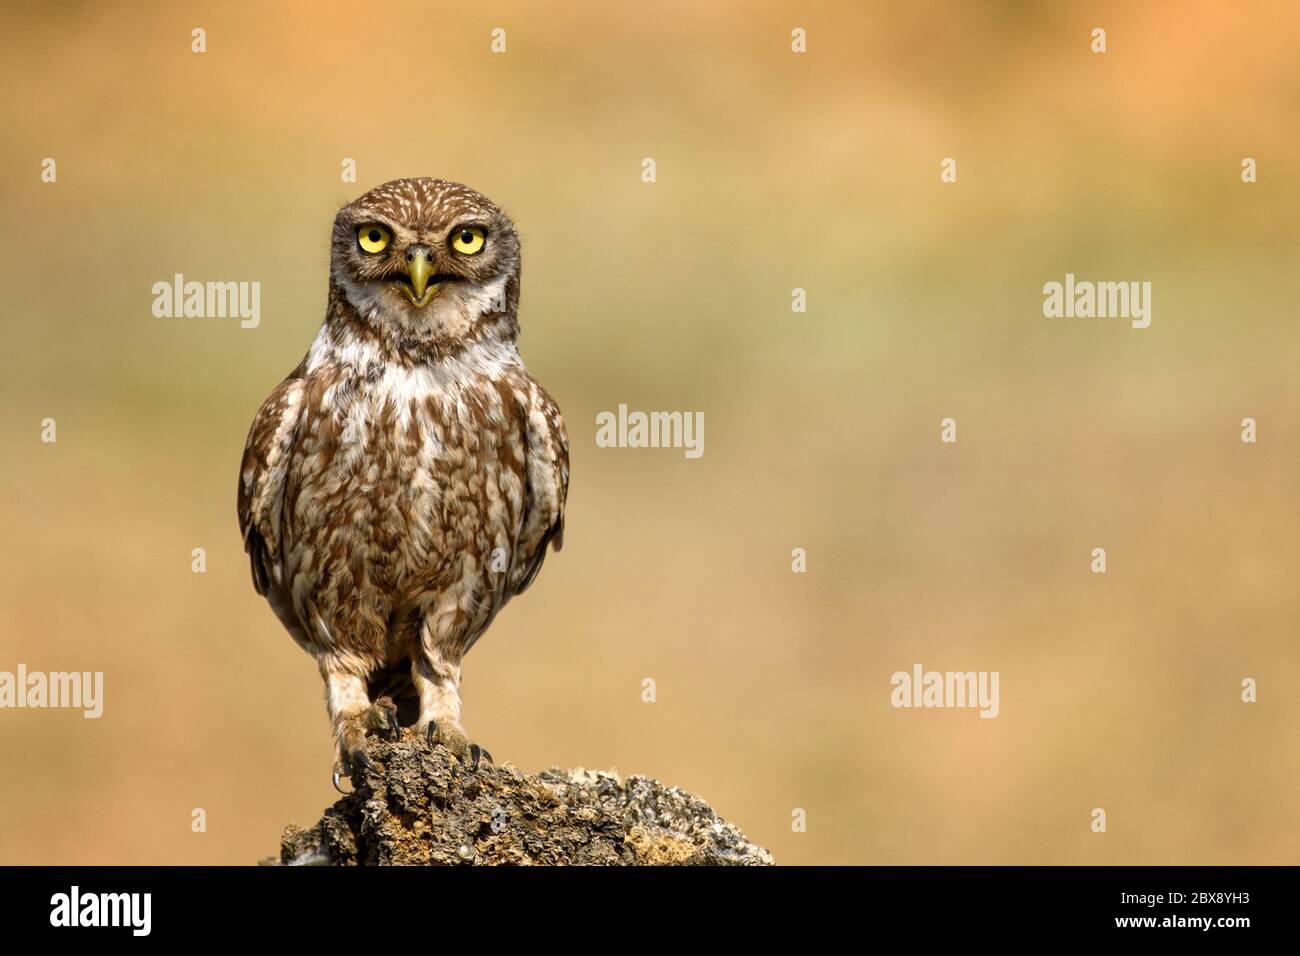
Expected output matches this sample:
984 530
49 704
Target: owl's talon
354 762
351 732
363 758
452 737
380 717
336 784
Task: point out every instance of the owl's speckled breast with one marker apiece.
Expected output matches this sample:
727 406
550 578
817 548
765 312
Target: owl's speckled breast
407 484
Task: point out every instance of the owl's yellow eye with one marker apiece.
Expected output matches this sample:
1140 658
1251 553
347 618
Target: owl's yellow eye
373 238
468 240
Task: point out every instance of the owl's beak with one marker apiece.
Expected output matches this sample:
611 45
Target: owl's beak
419 267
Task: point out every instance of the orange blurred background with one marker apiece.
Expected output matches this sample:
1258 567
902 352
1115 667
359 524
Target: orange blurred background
774 171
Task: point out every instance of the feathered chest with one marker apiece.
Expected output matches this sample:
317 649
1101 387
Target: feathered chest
404 474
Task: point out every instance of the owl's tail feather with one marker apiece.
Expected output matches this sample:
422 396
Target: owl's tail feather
395 682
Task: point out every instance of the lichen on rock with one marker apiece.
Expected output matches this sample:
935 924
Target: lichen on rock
425 807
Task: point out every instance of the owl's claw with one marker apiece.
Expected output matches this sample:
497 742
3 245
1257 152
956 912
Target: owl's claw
353 762
362 758
336 784
379 718
455 741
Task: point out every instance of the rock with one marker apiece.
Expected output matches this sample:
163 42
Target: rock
424 807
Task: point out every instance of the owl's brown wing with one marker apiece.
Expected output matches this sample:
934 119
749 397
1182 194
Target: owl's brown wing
262 481
547 487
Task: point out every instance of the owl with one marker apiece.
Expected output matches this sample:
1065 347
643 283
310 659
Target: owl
407 478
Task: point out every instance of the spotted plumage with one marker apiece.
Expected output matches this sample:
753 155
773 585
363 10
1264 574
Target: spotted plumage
406 479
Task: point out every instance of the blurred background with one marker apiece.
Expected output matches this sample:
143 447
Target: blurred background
774 171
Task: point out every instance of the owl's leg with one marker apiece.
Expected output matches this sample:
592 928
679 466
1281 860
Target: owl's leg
353 717
437 681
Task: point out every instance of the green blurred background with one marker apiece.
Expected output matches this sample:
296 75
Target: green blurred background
775 171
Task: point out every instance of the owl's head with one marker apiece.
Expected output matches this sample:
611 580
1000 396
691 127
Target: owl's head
427 259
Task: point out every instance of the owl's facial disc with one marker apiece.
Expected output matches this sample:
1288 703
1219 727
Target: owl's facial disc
419 263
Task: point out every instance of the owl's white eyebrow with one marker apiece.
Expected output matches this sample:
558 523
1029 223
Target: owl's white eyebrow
370 219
